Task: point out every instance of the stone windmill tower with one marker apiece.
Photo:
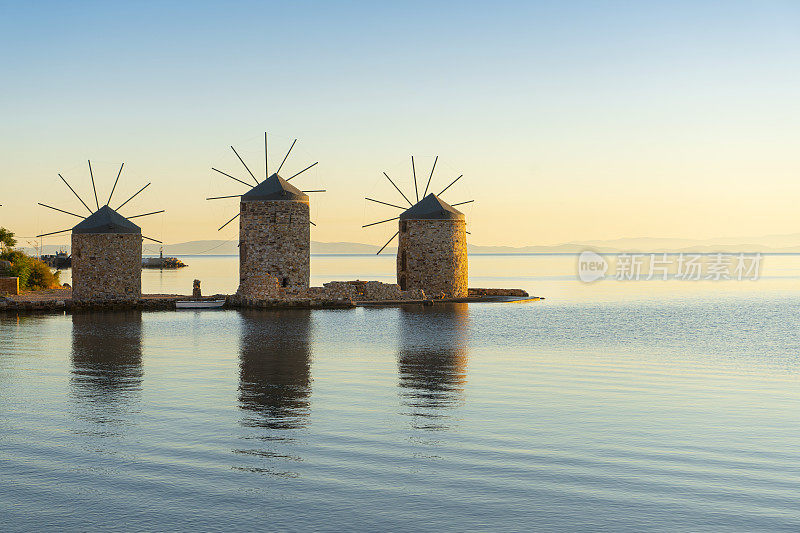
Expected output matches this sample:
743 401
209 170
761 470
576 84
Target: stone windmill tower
432 248
274 232
106 250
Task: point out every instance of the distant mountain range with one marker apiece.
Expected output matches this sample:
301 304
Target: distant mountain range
766 244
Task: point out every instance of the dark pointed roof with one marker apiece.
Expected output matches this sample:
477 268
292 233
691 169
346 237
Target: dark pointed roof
274 188
106 220
432 208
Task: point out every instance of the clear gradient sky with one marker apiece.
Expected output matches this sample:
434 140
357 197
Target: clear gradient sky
570 120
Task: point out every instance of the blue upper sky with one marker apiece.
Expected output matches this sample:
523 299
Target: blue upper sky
558 104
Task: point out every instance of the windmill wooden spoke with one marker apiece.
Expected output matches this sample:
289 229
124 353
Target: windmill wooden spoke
414 171
315 190
146 214
462 203
132 197
467 232
284 157
380 222
228 222
312 223
451 183
115 184
221 197
398 188
76 194
387 243
266 157
93 187
309 166
430 177
57 209
231 177
245 164
384 203
152 239
54 232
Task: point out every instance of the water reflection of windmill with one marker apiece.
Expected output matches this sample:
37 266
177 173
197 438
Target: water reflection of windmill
107 372
274 384
432 247
432 362
274 228
106 248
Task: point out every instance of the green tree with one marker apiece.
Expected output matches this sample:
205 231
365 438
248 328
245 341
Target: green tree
7 239
33 274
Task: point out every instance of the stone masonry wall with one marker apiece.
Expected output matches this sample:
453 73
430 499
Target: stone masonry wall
106 266
432 256
274 241
369 291
9 286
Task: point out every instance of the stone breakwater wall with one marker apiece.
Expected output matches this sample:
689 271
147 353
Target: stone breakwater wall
370 290
10 305
274 240
292 302
432 256
9 286
106 267
498 292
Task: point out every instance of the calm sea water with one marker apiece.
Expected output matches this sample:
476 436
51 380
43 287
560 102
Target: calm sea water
622 406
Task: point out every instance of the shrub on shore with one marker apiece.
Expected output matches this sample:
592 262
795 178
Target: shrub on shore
33 274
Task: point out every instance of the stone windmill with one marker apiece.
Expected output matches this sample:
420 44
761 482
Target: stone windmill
432 247
106 249
274 231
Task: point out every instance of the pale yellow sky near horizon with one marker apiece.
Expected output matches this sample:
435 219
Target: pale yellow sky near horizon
569 122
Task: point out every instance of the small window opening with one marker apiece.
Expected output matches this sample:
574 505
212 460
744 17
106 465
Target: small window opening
403 226
402 283
285 282
403 260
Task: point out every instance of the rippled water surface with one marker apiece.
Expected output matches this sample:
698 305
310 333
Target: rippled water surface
657 405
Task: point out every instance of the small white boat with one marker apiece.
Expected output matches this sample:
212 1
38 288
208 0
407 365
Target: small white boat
199 304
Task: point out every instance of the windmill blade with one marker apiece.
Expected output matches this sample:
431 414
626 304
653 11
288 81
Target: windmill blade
284 157
380 222
115 184
452 182
93 187
228 222
309 166
430 177
462 203
266 157
132 197
152 239
316 190
387 243
54 232
245 164
147 214
221 197
398 188
76 194
61 210
231 177
384 203
414 171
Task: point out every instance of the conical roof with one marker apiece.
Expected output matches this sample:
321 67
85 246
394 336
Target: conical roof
106 220
432 208
274 188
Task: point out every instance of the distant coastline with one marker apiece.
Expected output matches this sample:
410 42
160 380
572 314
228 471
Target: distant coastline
770 244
